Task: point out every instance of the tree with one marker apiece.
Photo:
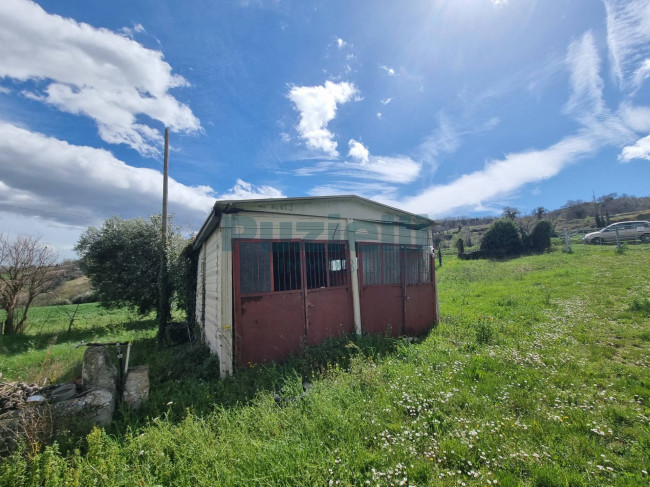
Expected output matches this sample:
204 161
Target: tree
501 239
510 212
540 238
183 276
539 212
27 270
122 261
460 245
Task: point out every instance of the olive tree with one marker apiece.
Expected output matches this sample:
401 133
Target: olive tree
122 260
27 270
501 239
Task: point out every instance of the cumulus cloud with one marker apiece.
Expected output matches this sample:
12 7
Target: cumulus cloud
628 38
358 151
340 43
93 72
640 150
385 101
317 106
247 191
80 185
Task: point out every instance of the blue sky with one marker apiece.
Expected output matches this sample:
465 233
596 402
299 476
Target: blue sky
444 108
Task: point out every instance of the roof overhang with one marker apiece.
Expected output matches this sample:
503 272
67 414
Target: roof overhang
226 207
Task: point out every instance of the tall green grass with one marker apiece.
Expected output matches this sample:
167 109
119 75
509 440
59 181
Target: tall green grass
538 374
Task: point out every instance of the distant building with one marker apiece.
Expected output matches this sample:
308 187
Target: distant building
276 273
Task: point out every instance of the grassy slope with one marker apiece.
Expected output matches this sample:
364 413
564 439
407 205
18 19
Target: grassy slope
48 351
538 375
68 290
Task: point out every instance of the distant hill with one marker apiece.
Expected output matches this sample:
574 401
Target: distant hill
72 287
575 215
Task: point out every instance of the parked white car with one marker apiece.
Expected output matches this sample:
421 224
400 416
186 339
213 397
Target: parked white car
635 230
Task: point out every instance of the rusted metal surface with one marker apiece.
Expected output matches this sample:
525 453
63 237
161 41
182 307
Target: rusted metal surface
286 292
270 327
397 289
419 293
419 309
329 313
381 290
291 291
381 309
328 294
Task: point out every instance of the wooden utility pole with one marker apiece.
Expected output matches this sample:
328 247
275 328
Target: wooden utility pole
164 307
165 178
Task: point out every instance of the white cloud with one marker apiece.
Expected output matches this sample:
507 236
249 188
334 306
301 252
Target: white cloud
394 169
317 106
93 72
247 191
385 101
358 151
500 177
373 191
391 169
4 90
80 185
389 70
586 100
642 73
636 118
340 43
444 140
499 3
379 115
640 150
131 31
285 137
628 36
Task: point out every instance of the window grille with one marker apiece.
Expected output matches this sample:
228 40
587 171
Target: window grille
254 268
286 266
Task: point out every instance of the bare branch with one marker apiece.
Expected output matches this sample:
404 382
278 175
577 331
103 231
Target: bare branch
27 270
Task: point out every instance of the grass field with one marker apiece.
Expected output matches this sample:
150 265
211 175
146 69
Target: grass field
538 374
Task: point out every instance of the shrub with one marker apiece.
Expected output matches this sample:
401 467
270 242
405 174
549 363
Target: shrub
483 331
539 239
473 255
460 245
87 297
501 240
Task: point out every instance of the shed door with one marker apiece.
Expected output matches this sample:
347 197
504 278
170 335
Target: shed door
397 289
287 293
381 292
419 291
270 318
328 292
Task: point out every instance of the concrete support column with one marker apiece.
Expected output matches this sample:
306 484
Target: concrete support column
433 270
356 302
226 322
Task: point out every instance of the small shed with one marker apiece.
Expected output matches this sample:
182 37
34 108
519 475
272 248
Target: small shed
276 273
